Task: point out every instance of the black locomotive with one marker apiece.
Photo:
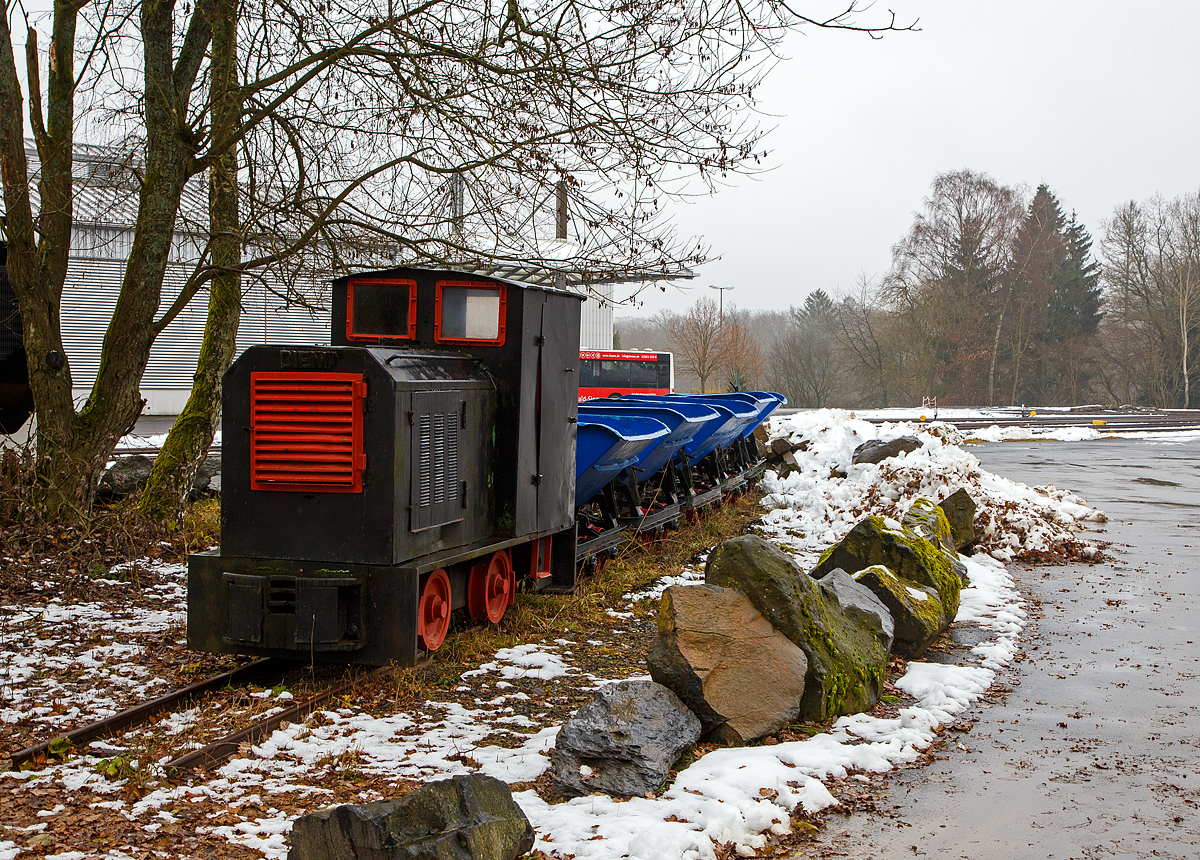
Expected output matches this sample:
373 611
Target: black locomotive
422 462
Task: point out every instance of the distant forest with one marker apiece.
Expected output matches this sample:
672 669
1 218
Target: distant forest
995 297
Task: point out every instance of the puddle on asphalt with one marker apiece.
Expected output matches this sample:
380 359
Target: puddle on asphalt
1155 482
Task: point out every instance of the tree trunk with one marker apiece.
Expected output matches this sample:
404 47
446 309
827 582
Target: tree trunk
72 448
187 444
995 352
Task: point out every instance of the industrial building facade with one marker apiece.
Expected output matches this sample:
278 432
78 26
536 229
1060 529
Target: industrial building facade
105 205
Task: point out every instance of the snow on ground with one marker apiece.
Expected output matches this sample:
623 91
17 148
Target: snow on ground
98 645
814 507
996 433
730 795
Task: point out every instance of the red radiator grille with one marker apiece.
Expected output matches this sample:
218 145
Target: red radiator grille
306 432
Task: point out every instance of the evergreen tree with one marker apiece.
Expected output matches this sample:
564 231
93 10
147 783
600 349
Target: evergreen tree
1075 305
817 309
1039 249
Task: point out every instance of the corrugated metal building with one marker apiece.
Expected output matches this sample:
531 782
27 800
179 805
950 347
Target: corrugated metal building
106 206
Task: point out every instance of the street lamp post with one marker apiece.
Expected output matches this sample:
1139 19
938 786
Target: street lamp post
721 302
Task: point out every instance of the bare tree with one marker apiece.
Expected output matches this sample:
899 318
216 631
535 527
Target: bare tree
947 278
355 122
864 333
696 339
742 367
1152 275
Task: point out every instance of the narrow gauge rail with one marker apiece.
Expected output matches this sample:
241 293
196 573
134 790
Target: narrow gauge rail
218 752
1108 421
108 726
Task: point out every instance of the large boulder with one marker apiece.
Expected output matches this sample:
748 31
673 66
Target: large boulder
127 476
916 610
927 519
846 658
906 554
463 818
877 450
742 677
623 742
861 604
959 509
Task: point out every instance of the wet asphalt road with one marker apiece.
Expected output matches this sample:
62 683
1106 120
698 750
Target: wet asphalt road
1096 752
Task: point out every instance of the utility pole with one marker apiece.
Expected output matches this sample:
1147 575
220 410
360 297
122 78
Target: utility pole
721 301
561 214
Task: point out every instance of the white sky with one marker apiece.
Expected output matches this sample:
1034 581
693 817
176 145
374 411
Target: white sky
1093 97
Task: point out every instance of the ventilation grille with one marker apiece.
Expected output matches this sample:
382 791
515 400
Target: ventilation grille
306 432
436 490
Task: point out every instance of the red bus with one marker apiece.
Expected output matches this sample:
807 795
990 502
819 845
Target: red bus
614 372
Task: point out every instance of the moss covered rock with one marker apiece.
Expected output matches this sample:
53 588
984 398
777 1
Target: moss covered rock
846 658
462 818
959 509
918 615
899 549
929 521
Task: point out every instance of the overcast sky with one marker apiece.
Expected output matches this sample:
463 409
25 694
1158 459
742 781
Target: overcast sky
1097 99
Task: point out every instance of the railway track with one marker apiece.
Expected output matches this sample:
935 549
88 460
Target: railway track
1108 421
216 753
139 714
152 451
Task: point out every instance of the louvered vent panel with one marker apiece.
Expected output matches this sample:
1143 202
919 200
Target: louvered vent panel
436 490
306 432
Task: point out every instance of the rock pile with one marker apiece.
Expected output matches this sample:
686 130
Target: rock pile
762 644
780 453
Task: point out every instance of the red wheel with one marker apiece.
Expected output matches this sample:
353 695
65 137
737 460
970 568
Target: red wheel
491 588
433 610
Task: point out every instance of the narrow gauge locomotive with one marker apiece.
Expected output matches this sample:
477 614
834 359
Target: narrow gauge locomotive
426 458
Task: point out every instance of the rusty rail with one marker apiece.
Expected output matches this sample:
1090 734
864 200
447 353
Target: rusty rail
218 752
140 713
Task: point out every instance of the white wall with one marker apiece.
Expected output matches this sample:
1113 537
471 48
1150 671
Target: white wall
90 295
596 322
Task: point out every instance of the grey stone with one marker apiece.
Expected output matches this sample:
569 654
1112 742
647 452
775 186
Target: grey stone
463 818
959 509
742 677
623 742
127 476
208 478
846 659
876 450
781 446
860 603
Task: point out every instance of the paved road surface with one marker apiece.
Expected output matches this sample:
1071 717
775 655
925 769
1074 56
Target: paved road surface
1096 753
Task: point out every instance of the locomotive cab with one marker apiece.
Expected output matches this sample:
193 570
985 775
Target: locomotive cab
371 486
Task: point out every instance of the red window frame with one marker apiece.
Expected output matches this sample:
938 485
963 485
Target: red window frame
368 337
475 285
